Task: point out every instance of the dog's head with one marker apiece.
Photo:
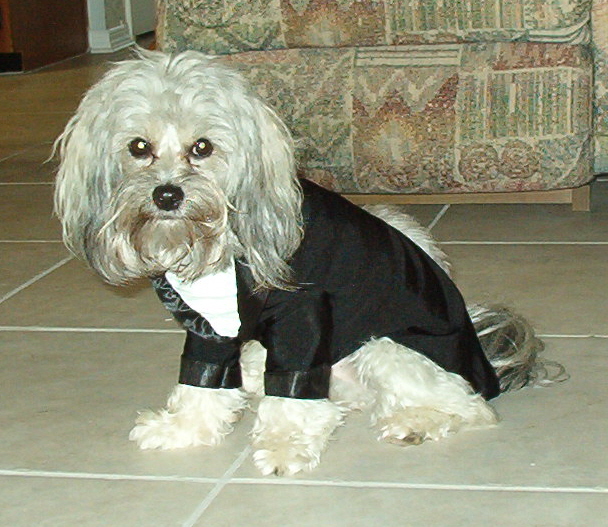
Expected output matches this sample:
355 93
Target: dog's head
172 163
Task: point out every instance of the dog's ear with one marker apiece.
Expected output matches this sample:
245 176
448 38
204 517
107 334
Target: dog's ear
86 163
268 218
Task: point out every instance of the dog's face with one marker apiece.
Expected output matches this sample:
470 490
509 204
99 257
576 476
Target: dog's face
171 163
171 199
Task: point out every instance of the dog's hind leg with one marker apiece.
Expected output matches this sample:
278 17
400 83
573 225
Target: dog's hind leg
416 400
194 416
289 435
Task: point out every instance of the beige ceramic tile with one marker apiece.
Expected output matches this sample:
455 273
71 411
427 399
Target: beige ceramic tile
36 106
45 91
9 150
20 131
20 262
44 502
423 214
302 506
69 401
521 223
27 213
79 298
29 166
54 89
561 289
548 437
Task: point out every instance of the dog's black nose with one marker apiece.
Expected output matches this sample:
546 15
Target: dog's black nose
168 197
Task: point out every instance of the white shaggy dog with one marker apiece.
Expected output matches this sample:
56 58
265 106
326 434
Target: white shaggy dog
173 168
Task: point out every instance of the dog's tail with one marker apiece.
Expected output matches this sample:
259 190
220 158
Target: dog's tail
513 348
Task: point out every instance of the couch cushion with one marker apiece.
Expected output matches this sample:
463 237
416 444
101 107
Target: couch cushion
600 48
444 118
228 26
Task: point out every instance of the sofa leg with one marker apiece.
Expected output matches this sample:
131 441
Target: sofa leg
581 199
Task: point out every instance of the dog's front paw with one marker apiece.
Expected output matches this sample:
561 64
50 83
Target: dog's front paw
193 417
290 434
285 458
167 431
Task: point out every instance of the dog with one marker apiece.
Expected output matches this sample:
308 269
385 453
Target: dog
173 169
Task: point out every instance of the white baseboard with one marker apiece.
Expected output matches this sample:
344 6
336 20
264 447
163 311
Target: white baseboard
110 40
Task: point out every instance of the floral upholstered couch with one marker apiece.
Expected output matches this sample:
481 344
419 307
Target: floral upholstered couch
420 96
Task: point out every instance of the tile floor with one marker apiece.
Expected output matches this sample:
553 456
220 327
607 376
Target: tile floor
78 359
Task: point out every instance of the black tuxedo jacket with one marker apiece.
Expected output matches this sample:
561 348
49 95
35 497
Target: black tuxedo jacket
358 278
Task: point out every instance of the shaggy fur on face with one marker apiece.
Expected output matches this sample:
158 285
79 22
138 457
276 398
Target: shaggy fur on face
140 128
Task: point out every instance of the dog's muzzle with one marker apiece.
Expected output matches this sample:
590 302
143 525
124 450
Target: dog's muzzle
168 197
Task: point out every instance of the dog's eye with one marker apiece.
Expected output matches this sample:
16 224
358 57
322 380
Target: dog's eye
201 148
140 148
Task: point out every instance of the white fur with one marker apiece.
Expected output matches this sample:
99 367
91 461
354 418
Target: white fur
290 434
411 400
415 399
103 193
243 200
194 416
253 359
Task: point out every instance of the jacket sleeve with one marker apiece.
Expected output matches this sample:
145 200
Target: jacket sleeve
210 363
297 335
208 360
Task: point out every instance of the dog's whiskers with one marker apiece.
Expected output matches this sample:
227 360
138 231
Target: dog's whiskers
111 221
232 208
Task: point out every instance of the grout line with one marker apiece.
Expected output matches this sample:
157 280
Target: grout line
438 217
219 486
286 482
420 486
39 276
31 241
14 154
567 336
26 473
61 329
38 112
25 150
17 183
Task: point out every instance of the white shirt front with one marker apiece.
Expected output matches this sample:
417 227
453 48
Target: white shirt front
214 297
